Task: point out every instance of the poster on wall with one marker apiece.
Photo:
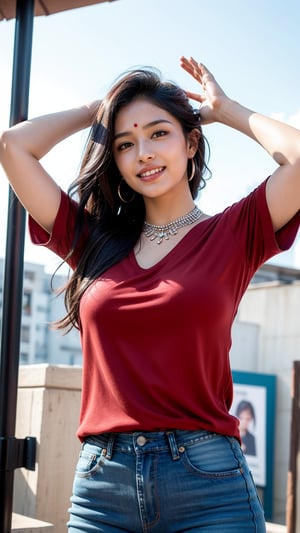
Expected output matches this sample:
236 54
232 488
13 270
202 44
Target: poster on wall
250 407
253 404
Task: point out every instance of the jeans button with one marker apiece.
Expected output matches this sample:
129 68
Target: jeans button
141 440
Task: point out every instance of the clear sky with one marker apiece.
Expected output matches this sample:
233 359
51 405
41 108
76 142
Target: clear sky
252 47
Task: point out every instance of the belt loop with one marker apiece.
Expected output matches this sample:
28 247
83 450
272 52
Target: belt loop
173 445
110 446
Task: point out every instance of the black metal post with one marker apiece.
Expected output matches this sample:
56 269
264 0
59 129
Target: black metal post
10 451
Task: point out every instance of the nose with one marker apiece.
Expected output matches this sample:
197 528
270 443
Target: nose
145 153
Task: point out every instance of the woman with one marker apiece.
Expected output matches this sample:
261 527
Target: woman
246 415
155 288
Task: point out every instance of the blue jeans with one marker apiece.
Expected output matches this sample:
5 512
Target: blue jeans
164 482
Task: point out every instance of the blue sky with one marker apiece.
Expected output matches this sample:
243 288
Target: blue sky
251 47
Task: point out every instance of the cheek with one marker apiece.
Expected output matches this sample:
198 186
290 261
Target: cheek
124 165
121 167
181 150
118 161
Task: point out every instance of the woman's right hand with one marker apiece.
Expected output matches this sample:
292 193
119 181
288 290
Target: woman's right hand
93 108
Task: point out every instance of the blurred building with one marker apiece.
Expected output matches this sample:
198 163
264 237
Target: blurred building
40 343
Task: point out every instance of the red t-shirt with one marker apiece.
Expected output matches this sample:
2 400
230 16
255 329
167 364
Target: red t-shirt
156 341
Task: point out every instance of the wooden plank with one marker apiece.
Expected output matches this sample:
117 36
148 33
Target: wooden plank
292 507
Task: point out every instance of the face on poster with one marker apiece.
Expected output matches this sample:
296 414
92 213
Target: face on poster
249 406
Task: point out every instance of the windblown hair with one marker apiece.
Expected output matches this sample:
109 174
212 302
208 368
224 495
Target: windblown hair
115 227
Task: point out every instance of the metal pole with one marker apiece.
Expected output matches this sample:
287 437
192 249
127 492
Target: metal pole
13 274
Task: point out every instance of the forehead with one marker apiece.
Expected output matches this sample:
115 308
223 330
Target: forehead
141 112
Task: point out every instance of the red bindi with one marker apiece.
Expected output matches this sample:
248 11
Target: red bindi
135 125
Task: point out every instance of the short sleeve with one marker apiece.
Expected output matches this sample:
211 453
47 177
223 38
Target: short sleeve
61 239
252 225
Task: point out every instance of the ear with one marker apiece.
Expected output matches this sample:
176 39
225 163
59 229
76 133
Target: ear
192 142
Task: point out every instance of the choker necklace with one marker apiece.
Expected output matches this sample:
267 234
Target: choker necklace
152 231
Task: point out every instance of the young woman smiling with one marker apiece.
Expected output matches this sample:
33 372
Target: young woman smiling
155 288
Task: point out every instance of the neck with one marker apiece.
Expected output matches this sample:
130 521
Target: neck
175 219
160 211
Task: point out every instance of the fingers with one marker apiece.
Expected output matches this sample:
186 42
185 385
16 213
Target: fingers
187 65
194 96
197 70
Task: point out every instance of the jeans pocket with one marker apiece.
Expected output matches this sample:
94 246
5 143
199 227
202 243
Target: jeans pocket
212 458
91 459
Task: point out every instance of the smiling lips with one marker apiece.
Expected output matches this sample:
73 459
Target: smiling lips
150 173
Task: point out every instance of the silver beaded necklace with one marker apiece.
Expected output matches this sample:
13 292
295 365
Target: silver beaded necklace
165 231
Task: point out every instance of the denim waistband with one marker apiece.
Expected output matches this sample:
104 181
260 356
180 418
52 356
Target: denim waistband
148 441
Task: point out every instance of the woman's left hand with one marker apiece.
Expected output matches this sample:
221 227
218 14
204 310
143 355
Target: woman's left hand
212 98
280 140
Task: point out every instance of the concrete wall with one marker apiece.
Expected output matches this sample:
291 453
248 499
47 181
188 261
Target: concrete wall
23 524
48 408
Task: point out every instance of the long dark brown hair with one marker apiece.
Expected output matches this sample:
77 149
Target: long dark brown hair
115 227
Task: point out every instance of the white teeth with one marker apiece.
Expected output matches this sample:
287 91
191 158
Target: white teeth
151 172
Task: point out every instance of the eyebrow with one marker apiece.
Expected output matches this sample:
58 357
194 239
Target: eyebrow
149 125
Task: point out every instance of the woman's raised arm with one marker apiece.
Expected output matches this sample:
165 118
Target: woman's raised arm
21 148
280 140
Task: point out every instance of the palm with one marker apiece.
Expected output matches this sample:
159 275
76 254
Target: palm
212 94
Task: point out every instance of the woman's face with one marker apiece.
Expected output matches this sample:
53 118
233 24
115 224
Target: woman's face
150 149
245 418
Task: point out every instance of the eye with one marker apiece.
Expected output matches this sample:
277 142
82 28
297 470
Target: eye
160 133
123 146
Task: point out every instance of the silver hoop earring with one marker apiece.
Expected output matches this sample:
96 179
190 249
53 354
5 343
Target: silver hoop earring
121 197
193 170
